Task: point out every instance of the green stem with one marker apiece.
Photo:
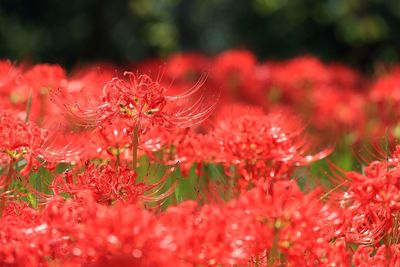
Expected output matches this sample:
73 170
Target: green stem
8 181
117 159
274 253
135 142
39 188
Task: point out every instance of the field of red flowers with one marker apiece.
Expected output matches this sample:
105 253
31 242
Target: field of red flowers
199 161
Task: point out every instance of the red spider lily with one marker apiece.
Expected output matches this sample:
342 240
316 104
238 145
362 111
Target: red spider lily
295 78
243 80
109 186
315 89
42 78
144 102
383 256
263 146
349 115
80 231
345 77
247 227
8 76
385 93
31 87
19 139
285 226
259 145
37 83
371 201
186 66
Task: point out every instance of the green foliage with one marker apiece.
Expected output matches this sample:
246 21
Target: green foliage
74 31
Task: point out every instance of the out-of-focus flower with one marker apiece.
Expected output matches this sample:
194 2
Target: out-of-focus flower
240 76
345 77
9 78
297 77
349 115
37 83
385 94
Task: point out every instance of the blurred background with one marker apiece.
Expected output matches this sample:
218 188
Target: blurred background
361 33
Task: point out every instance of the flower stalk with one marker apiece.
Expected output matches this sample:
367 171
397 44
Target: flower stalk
274 253
135 142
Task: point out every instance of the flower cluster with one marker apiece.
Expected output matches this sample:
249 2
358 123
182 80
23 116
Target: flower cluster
199 161
79 231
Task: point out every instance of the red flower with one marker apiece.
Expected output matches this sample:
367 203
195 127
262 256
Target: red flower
242 79
385 93
142 101
39 81
371 201
382 256
263 146
19 139
107 185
